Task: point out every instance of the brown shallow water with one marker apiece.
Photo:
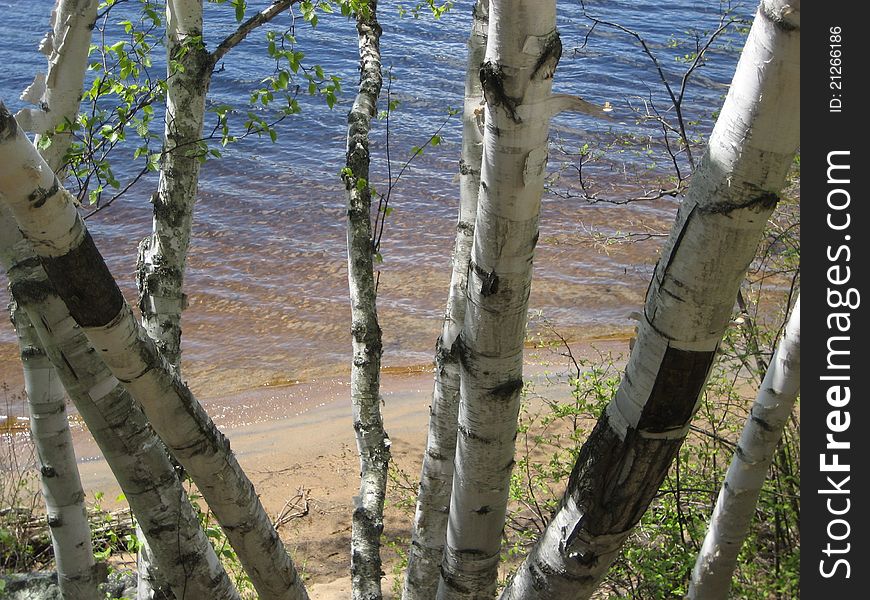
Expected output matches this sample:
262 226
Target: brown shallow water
268 290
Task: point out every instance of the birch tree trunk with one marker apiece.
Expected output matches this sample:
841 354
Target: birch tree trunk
48 219
59 474
735 507
688 306
138 459
522 52
436 479
58 93
373 443
163 255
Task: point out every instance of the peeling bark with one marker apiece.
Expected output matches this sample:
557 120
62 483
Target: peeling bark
373 443
58 93
138 458
57 235
687 309
735 506
436 479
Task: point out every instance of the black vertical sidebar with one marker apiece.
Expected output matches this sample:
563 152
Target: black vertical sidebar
835 370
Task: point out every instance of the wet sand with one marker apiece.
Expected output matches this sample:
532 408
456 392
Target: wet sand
298 439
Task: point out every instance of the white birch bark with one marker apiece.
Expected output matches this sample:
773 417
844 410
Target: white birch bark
436 478
523 49
57 96
138 459
735 506
48 219
58 93
373 443
688 306
59 474
163 255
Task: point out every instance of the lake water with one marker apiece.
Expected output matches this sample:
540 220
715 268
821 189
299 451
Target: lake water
267 276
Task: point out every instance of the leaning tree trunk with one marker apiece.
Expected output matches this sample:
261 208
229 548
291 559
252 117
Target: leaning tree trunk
137 457
59 473
372 441
48 218
57 95
735 507
436 479
688 306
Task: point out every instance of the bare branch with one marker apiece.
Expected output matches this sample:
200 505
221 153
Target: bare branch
261 18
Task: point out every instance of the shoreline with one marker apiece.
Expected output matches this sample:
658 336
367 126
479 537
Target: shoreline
297 441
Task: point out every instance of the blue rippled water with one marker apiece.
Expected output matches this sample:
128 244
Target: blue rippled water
267 276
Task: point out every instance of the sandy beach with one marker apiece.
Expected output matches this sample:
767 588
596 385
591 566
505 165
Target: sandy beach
297 445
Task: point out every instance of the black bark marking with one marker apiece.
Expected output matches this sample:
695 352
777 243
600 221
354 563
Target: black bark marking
467 433
507 390
483 510
549 58
614 480
680 379
8 124
492 80
489 280
85 284
779 19
761 423
466 227
765 201
39 196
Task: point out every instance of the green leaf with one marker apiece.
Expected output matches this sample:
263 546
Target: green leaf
240 10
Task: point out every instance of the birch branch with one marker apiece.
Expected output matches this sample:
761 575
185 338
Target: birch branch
236 37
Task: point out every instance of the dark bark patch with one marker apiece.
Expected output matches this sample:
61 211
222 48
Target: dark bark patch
466 227
492 79
613 482
679 381
763 202
489 280
780 18
761 422
507 390
85 284
549 58
467 433
8 124
39 196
